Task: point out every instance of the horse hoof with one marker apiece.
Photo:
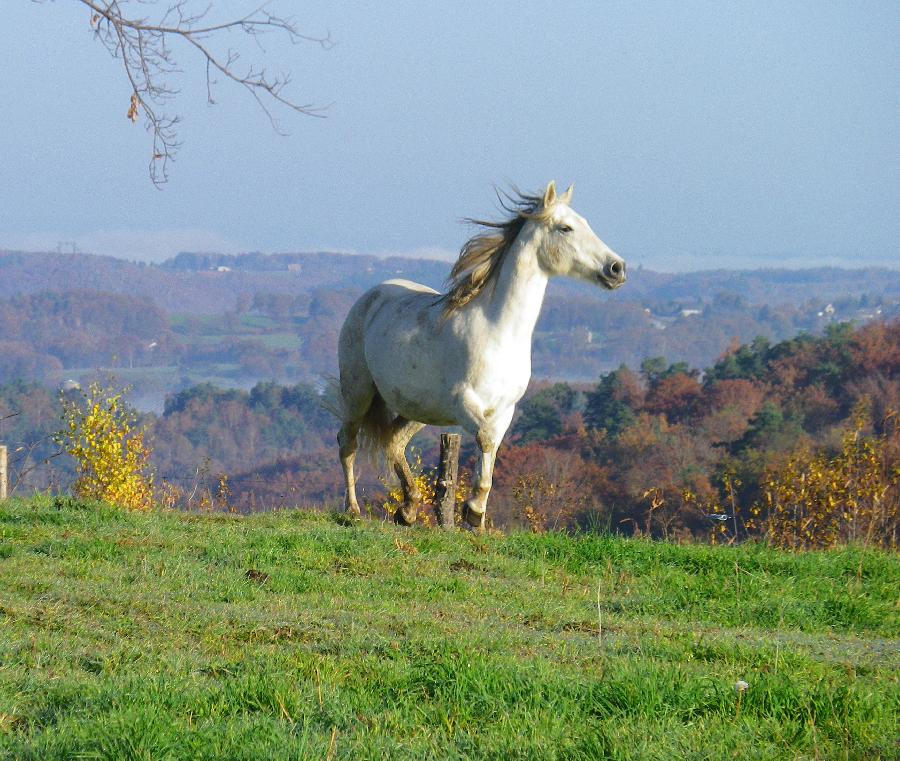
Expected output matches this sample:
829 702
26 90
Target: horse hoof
472 517
405 515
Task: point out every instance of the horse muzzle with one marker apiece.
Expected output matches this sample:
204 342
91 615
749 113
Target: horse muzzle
612 275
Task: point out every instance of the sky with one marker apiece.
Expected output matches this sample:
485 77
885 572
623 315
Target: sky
698 135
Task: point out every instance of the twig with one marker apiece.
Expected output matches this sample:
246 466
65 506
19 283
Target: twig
144 48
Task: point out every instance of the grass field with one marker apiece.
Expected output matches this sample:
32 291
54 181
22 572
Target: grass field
292 635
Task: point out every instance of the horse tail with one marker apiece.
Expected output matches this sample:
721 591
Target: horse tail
332 400
375 430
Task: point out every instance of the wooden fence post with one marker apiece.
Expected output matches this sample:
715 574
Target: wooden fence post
445 494
3 472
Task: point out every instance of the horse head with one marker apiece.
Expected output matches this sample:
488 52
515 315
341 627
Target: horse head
566 244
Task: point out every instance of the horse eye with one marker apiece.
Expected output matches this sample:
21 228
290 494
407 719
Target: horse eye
564 229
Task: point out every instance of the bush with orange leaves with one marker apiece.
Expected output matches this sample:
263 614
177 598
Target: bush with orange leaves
100 431
550 488
818 501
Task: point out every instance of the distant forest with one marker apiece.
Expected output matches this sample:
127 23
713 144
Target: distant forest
239 320
695 383
619 453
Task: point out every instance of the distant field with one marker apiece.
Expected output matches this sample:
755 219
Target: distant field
149 386
269 340
213 324
292 635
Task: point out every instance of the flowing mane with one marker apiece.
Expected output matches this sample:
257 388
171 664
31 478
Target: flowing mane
482 255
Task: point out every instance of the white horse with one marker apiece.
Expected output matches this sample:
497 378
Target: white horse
411 357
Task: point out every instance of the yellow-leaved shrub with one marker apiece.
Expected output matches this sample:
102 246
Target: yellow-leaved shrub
112 457
817 500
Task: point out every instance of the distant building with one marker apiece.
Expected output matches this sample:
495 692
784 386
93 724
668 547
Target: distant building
70 385
223 268
689 312
294 267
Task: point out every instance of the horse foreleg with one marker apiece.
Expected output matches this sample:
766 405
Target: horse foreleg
402 430
474 509
348 444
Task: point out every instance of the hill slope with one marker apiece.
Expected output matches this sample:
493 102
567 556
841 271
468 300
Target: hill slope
201 289
290 635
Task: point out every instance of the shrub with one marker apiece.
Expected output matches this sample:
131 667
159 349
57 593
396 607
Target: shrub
817 500
100 431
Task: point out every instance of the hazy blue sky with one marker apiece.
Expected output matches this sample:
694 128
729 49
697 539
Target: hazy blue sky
697 134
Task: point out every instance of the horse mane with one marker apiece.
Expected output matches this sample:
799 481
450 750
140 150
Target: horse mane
481 257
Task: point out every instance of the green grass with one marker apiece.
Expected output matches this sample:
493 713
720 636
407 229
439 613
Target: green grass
292 635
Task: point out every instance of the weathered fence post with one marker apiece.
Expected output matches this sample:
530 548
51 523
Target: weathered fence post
445 494
3 472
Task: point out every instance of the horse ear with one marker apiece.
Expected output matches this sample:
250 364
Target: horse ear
550 194
566 197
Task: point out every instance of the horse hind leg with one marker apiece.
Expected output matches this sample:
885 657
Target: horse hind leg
399 435
348 444
356 400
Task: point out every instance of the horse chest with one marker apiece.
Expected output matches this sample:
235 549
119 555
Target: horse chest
500 373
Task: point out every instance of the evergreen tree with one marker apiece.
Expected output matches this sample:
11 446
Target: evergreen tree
608 406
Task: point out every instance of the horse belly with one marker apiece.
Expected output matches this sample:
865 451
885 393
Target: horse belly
413 405
416 389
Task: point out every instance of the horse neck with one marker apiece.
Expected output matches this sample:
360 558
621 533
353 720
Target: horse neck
514 303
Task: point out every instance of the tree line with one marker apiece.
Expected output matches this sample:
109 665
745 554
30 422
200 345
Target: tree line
666 450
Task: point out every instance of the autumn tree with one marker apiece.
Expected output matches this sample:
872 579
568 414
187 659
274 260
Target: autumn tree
546 488
728 406
101 433
676 395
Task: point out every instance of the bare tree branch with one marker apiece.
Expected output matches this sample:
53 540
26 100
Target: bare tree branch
144 47
19 474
